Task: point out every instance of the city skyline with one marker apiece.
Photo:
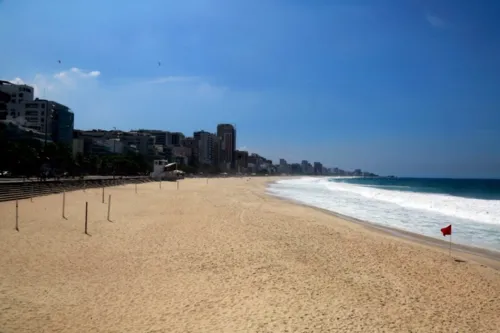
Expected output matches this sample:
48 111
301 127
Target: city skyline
403 88
28 116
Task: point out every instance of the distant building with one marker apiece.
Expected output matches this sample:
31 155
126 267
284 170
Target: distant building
161 137
181 155
318 168
296 168
206 147
12 98
53 119
164 138
62 123
283 166
241 160
304 165
191 143
175 138
141 143
227 136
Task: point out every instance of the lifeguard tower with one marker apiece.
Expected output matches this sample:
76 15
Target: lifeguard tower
163 170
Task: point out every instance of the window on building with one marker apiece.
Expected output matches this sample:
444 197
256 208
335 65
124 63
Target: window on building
43 106
42 113
13 101
21 94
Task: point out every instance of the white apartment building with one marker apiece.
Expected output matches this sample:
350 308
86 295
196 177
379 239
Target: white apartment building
19 94
36 115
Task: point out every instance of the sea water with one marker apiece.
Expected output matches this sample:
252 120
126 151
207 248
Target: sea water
418 205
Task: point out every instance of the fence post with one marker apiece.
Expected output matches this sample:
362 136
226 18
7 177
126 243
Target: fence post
64 205
103 194
31 193
17 215
135 188
160 184
86 214
177 184
109 207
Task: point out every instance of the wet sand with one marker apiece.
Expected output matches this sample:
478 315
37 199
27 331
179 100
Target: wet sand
226 257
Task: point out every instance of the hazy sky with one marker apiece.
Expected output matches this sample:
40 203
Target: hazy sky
402 87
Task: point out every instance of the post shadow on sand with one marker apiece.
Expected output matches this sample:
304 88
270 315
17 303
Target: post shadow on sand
109 209
86 218
64 205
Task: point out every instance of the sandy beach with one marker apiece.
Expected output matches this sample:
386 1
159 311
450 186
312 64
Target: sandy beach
226 257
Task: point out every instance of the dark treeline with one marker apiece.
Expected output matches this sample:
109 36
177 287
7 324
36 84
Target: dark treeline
27 156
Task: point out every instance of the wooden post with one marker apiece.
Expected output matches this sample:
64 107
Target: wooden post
17 215
64 205
109 207
86 215
103 194
31 193
135 188
177 184
160 184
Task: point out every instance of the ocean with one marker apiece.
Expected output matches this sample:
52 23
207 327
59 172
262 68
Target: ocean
418 205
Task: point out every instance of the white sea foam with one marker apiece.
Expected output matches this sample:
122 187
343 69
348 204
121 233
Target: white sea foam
475 222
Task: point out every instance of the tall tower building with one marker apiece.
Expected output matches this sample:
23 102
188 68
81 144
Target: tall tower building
206 142
227 136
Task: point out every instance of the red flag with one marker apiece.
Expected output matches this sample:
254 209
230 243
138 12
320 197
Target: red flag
446 231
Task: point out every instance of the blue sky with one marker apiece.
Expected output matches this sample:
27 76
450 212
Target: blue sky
396 87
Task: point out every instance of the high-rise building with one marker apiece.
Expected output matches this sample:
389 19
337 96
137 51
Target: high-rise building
206 143
318 168
62 123
241 160
227 136
304 165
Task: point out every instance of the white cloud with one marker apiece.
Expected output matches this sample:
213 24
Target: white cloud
435 21
17 81
70 77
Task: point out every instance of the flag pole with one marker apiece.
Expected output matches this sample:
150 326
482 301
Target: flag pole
450 245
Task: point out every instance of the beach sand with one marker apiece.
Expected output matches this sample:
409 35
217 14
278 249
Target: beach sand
225 257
